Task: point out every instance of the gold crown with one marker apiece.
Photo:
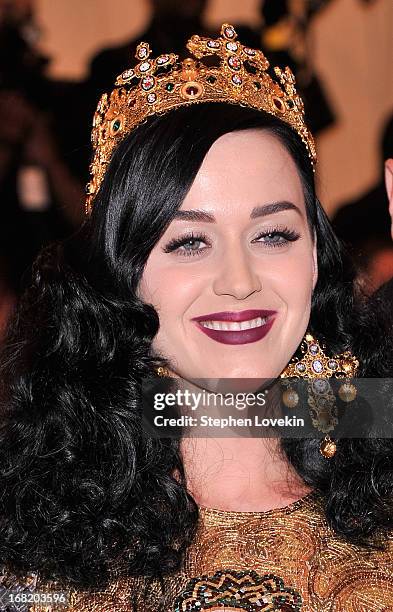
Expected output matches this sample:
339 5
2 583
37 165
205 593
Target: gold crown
155 86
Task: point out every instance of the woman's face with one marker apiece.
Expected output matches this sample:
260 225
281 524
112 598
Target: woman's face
233 274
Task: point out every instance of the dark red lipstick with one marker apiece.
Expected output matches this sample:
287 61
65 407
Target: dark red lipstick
241 336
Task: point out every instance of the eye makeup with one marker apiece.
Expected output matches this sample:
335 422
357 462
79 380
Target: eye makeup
275 237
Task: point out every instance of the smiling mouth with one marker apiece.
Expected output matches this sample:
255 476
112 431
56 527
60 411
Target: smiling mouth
237 332
235 325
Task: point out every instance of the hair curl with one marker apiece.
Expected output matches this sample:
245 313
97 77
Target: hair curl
82 490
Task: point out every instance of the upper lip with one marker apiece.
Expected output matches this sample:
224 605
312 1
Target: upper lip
242 315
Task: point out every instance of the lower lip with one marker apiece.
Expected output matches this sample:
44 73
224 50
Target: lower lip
245 336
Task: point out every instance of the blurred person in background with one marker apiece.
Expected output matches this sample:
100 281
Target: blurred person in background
285 38
364 224
40 194
171 25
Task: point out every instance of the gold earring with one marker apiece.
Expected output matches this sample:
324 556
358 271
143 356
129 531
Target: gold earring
328 447
162 371
290 397
315 364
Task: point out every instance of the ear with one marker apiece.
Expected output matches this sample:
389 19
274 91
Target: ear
389 186
315 262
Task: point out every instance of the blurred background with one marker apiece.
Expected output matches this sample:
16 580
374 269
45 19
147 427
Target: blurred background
58 56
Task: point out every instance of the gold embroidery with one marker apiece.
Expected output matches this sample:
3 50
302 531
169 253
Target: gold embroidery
294 544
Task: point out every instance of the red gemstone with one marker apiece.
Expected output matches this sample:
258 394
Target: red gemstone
278 104
191 90
234 62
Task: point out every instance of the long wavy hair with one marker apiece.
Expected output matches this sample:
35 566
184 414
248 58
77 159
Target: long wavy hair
82 490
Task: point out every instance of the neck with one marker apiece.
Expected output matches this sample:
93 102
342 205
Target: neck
244 474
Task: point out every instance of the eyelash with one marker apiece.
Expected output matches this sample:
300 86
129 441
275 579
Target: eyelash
176 243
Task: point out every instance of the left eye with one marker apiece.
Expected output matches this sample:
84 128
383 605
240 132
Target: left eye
189 245
277 238
272 237
192 244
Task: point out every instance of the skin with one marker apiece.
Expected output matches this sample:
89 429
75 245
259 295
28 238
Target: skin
389 187
235 271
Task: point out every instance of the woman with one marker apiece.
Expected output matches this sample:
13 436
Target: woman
204 209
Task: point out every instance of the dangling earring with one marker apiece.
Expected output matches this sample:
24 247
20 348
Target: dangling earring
162 371
315 364
328 447
290 397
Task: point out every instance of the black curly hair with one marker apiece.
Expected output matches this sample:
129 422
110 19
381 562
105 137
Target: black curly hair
82 490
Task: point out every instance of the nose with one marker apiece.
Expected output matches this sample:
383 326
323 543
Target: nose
237 276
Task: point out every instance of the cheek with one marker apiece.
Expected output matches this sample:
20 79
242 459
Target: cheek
170 290
292 280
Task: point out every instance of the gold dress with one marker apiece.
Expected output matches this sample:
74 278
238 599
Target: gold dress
286 559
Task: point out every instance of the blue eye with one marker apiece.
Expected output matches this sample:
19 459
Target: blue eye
185 245
277 238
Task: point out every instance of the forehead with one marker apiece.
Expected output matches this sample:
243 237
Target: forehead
245 166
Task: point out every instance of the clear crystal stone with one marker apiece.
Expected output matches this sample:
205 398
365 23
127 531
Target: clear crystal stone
317 366
142 53
127 73
320 386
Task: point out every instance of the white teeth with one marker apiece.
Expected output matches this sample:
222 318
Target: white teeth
234 325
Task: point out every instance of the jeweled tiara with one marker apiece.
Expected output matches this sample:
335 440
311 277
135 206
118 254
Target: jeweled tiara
155 86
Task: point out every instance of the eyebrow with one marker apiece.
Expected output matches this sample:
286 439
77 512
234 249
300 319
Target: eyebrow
257 211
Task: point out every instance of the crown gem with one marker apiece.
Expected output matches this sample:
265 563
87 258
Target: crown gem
234 62
147 83
229 32
163 59
332 364
145 66
192 90
249 51
151 98
170 87
142 52
213 44
300 367
279 104
236 79
232 46
127 74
